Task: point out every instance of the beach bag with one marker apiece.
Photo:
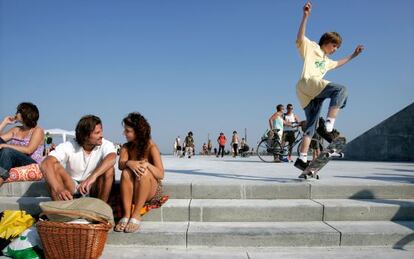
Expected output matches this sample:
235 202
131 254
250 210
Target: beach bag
26 246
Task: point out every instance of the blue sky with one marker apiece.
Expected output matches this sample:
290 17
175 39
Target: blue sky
204 66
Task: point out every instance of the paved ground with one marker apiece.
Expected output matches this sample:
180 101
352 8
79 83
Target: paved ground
256 253
251 169
201 169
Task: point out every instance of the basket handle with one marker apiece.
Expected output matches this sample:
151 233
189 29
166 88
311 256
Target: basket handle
73 213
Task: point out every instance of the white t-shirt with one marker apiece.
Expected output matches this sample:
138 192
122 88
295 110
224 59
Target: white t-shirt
289 118
77 162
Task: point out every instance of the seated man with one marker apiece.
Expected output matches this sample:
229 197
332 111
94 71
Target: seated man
84 165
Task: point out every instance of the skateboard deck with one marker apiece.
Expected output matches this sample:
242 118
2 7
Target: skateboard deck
333 150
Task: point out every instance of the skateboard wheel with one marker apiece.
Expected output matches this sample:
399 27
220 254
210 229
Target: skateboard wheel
305 177
317 177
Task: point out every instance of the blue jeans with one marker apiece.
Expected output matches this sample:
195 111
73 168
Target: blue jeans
338 95
10 158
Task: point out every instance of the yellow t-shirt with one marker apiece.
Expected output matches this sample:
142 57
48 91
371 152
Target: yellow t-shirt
315 66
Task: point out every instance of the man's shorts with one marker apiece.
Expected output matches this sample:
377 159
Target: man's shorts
289 136
77 183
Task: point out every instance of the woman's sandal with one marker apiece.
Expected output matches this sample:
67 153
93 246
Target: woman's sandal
132 226
122 223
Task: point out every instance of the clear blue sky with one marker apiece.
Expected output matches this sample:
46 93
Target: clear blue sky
204 66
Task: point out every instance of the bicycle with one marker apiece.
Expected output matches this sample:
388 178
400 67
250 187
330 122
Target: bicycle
270 149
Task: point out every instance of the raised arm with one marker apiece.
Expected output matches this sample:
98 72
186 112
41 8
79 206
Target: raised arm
6 136
345 60
302 28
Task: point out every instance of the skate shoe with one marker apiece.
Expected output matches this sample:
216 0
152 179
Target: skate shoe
328 136
300 164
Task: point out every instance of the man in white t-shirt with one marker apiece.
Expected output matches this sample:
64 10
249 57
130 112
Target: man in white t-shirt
84 165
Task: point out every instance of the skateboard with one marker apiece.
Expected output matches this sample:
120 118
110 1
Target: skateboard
333 150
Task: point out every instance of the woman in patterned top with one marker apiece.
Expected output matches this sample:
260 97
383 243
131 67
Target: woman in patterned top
21 145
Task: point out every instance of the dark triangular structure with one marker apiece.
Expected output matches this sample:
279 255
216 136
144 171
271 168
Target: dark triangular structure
391 140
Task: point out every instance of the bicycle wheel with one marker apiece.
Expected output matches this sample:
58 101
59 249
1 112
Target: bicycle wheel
268 151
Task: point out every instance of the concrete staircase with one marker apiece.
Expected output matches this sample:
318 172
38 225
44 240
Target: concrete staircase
214 214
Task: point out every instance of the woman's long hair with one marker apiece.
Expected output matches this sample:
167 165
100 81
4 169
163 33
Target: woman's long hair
138 147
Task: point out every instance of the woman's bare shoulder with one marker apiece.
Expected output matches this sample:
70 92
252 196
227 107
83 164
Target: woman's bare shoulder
152 145
39 129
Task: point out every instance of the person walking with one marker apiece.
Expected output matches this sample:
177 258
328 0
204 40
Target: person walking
221 140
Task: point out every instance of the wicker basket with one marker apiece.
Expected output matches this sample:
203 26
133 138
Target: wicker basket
66 240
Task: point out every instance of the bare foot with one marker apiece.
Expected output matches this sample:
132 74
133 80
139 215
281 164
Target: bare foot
122 223
133 225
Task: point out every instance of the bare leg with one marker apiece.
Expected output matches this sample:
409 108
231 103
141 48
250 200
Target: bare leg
127 178
145 189
305 144
57 179
103 185
1 181
290 149
317 152
333 112
127 189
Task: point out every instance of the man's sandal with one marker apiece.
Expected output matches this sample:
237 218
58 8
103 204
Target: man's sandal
132 226
122 223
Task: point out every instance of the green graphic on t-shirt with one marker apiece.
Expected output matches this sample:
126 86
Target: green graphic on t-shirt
320 65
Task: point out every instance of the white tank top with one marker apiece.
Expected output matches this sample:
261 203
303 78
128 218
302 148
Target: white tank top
289 118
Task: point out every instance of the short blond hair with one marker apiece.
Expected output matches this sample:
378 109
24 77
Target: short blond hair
330 37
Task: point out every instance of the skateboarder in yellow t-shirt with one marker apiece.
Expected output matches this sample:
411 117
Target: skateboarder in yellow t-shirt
312 89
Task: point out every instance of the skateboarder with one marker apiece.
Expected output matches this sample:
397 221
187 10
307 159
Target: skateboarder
312 89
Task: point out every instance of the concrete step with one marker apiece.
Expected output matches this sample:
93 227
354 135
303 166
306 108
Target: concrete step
396 234
116 251
253 190
28 204
367 209
264 234
237 210
153 234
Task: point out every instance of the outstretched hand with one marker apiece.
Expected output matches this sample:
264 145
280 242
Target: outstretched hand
307 8
358 50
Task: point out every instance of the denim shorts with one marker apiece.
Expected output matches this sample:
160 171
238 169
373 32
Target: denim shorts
338 95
